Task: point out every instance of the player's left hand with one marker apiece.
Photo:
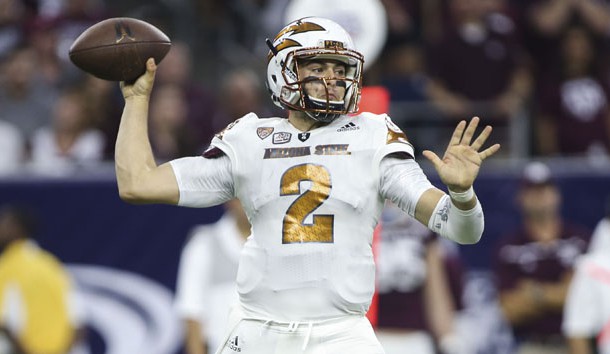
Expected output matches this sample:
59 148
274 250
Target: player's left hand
460 165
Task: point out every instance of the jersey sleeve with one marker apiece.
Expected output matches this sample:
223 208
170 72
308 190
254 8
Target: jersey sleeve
403 182
203 182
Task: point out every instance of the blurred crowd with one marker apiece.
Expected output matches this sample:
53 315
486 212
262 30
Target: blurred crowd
535 69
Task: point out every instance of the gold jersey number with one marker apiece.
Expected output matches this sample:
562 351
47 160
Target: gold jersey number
294 229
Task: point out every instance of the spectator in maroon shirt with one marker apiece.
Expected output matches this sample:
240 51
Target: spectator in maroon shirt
534 265
478 67
542 23
479 61
574 109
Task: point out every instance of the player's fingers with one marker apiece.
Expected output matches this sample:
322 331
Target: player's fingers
149 75
151 69
489 151
151 65
469 132
457 133
480 140
436 161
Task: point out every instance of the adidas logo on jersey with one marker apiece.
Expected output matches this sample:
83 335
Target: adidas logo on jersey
349 126
233 344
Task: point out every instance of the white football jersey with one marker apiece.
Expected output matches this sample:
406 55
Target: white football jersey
313 201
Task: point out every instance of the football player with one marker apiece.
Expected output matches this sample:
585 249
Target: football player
313 187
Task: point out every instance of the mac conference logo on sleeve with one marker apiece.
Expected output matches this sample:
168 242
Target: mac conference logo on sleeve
264 132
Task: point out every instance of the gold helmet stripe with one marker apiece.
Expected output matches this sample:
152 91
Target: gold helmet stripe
286 43
300 27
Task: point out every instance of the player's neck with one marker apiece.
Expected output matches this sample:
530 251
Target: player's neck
244 228
303 122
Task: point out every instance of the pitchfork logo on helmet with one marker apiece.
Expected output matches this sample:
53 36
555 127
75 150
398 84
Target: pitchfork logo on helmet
313 38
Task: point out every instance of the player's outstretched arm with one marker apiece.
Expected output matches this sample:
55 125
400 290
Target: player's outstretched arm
458 170
139 178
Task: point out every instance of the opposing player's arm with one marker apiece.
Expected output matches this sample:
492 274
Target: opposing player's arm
139 178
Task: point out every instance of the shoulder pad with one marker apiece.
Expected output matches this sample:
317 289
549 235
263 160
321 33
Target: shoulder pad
395 134
247 117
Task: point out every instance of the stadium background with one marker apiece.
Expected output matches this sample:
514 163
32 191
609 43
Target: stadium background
107 243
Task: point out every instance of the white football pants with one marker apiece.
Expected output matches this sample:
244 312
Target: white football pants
348 335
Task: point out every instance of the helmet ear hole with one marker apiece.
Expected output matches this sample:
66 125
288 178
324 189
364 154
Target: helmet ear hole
274 78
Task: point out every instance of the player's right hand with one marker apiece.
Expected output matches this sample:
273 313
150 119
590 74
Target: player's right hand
142 87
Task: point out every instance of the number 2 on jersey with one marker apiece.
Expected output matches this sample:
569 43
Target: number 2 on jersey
294 229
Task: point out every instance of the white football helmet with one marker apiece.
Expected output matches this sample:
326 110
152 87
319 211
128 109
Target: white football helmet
313 38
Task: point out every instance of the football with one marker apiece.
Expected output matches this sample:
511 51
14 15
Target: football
116 49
